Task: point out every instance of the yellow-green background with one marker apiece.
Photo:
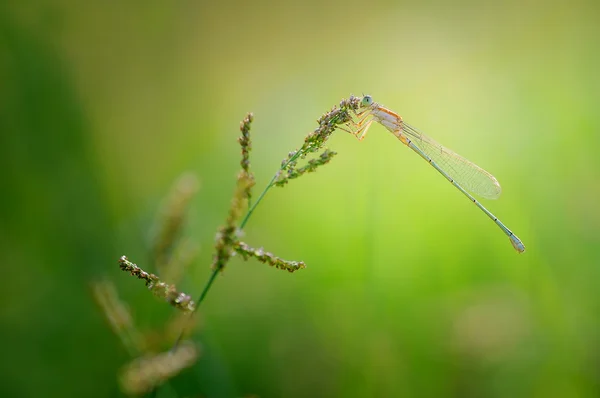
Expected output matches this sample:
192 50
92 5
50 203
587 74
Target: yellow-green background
410 291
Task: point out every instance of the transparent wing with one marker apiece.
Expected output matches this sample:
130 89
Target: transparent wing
467 174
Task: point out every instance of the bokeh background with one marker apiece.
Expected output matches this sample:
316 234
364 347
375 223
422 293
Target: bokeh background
410 290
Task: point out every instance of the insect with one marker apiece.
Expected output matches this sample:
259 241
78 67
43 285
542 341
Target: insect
463 174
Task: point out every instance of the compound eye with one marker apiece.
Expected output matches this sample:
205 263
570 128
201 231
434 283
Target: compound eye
367 100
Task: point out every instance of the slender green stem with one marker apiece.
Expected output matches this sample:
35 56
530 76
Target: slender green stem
264 192
251 210
209 283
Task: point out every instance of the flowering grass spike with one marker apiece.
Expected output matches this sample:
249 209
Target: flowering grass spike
267 258
177 299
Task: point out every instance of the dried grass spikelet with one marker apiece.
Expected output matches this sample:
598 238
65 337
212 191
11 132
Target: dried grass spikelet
146 373
118 316
171 219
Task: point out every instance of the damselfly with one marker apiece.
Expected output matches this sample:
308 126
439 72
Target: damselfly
464 175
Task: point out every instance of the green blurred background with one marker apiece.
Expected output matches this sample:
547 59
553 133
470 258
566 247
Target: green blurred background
410 290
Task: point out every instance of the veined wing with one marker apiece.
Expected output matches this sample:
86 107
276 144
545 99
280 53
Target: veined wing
467 174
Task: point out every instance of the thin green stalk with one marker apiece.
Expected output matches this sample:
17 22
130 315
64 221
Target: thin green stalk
200 299
264 192
251 210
